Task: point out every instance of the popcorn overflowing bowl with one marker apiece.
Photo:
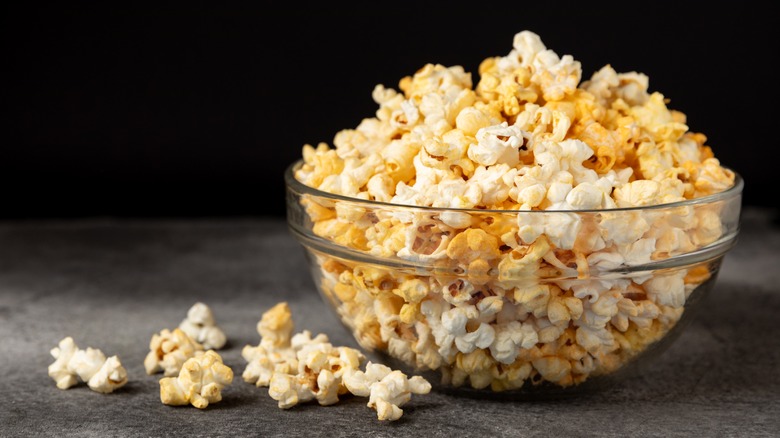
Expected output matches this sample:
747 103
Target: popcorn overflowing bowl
444 296
535 234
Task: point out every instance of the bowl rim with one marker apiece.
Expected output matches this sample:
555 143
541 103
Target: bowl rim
292 183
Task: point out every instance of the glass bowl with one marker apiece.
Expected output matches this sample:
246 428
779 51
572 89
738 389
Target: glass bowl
513 303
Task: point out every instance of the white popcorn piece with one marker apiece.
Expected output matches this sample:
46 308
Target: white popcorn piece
510 338
169 350
425 241
595 339
262 363
59 371
202 328
86 363
623 228
319 375
387 390
642 313
288 390
497 144
199 383
527 45
110 376
101 374
667 289
493 183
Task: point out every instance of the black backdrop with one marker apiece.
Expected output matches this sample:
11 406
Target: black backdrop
194 110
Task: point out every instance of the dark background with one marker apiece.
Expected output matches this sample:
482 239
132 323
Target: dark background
191 110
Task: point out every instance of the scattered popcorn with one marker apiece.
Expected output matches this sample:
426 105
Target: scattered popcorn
169 350
319 375
102 374
300 368
497 290
277 348
386 389
199 383
276 326
201 327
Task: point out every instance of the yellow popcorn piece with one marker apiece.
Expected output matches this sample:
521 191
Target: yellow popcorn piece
199 383
168 350
472 245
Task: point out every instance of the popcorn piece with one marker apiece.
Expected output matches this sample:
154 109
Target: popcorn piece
199 383
557 77
497 144
510 338
109 377
201 327
262 363
59 371
277 349
319 375
387 390
90 365
276 326
169 350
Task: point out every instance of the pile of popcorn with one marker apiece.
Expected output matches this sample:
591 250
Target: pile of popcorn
296 368
506 298
299 368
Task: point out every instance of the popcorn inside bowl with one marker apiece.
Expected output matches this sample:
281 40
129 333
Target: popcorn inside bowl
532 229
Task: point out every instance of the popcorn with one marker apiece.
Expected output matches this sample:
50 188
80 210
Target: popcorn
169 350
493 289
302 368
510 338
557 77
320 370
497 144
201 327
387 390
199 383
277 351
102 374
276 326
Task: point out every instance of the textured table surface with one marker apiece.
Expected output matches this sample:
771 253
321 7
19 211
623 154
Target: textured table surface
111 284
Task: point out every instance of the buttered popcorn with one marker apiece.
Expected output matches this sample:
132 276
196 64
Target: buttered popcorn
199 383
298 368
168 350
513 296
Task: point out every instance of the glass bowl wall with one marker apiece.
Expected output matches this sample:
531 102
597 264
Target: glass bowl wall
512 303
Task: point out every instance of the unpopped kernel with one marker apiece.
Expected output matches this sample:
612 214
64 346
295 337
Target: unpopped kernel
530 136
